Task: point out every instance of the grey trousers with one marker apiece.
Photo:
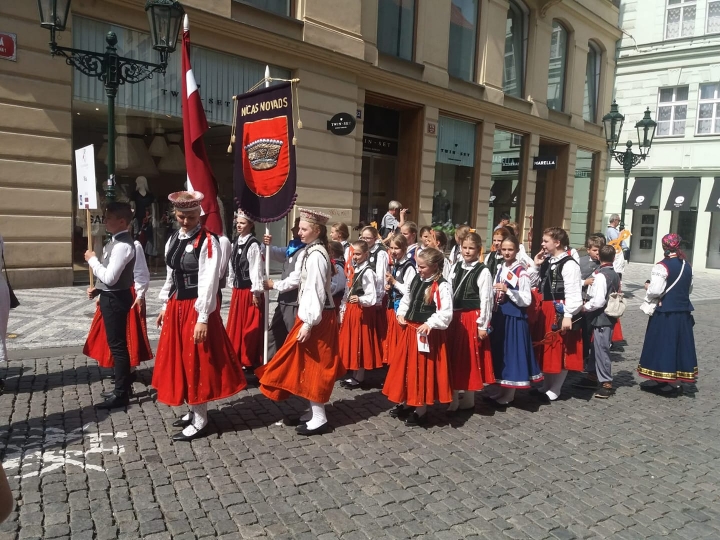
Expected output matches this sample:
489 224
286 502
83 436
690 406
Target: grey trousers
282 322
600 355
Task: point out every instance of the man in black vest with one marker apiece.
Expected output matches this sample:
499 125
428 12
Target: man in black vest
114 280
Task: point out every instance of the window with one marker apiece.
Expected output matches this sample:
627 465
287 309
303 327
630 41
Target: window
672 111
463 39
279 7
680 19
516 140
708 110
515 42
556 73
713 18
592 83
396 28
582 194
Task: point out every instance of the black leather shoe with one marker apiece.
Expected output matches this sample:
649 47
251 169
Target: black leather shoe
181 422
110 393
114 402
294 421
495 404
303 430
401 412
415 420
179 437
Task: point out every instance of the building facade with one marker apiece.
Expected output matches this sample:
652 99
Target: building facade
465 109
669 60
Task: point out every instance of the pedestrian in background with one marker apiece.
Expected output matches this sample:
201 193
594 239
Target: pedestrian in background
612 233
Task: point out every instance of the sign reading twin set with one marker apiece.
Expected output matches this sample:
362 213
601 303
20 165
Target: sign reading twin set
341 124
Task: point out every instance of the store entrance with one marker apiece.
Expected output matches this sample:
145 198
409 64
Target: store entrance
684 224
378 186
550 191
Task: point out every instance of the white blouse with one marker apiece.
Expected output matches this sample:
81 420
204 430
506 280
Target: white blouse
382 266
255 261
313 291
295 262
226 248
485 286
207 277
522 296
368 280
658 282
407 277
442 317
572 281
141 274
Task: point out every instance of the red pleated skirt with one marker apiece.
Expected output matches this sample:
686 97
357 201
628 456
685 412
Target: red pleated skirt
358 344
308 370
617 332
381 324
556 351
418 378
469 357
536 319
391 337
96 346
244 327
186 372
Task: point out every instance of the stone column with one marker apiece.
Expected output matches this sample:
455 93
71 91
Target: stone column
484 162
432 40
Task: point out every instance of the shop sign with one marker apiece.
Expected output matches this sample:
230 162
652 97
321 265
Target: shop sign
544 163
583 173
8 46
431 128
376 145
456 142
510 164
341 124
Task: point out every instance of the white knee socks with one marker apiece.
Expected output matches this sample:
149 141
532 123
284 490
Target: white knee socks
199 419
318 415
553 384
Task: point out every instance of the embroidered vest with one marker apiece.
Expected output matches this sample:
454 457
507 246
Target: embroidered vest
241 265
183 258
552 285
419 311
398 272
466 294
127 275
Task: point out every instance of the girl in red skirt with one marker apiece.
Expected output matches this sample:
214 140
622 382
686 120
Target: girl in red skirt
244 326
418 374
561 287
308 364
195 358
96 345
359 347
398 281
379 263
468 344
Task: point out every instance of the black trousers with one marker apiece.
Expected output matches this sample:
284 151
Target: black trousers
114 307
282 322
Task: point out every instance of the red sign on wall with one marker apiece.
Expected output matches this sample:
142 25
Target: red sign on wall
8 46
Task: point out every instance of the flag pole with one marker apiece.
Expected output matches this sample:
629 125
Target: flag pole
90 245
266 335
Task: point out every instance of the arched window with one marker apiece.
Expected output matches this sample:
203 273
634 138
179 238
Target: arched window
556 71
515 48
592 82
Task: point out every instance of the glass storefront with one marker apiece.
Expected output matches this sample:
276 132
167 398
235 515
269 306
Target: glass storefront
582 192
505 180
149 151
454 173
713 255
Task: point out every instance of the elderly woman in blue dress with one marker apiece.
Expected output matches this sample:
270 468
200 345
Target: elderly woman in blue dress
668 357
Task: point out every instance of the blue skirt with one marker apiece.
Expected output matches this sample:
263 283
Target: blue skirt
668 353
512 352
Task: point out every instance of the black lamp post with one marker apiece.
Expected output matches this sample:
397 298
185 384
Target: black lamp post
165 18
613 122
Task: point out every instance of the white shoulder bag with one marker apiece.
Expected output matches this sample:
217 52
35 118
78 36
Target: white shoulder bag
648 306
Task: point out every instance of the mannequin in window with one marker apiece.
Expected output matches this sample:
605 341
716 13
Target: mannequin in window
145 219
441 207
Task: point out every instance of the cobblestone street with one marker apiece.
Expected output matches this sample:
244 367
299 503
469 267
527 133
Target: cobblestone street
634 466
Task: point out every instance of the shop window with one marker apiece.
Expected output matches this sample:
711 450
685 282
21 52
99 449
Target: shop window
713 18
708 110
454 172
582 193
672 111
463 39
396 28
505 179
592 82
556 73
279 7
515 49
680 18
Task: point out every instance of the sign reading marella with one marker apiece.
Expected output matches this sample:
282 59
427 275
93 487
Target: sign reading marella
85 173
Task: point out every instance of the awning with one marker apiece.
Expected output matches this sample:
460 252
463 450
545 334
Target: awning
643 192
683 194
714 201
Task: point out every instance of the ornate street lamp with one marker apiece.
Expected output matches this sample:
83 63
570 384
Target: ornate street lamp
164 16
613 122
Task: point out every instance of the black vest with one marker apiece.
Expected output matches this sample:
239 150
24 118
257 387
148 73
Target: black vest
183 258
127 274
598 318
466 294
241 265
552 284
493 263
419 311
357 287
398 272
372 260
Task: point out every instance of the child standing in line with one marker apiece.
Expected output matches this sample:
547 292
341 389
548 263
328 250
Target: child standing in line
512 349
359 348
398 280
409 230
456 252
339 232
494 259
379 263
468 344
338 280
418 374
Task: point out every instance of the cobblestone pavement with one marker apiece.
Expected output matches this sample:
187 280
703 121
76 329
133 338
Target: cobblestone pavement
634 466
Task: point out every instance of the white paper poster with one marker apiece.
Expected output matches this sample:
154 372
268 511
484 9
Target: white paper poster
86 184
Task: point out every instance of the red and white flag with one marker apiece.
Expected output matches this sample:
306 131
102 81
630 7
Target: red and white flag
199 173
